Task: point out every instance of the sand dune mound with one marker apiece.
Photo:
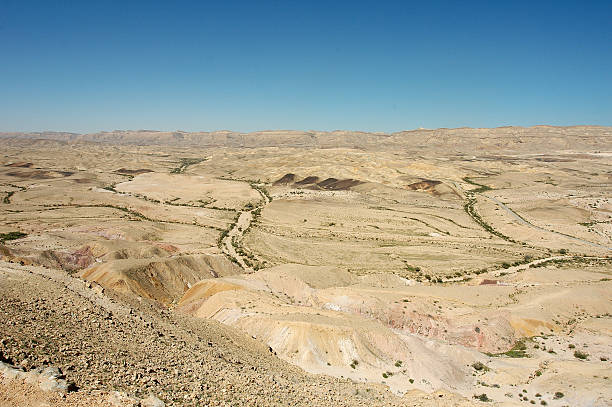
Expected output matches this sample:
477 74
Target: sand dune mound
285 179
298 282
202 291
126 171
434 187
122 249
20 164
329 341
69 260
78 258
39 174
313 182
161 279
308 180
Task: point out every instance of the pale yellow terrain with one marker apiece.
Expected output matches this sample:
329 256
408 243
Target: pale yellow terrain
463 261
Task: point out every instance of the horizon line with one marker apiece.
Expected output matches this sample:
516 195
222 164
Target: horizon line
297 130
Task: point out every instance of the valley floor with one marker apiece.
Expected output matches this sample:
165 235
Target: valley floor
433 268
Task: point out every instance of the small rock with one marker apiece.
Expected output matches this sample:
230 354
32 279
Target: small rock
25 363
121 399
9 372
98 289
53 384
152 401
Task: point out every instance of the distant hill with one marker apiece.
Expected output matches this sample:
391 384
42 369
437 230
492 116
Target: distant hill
537 139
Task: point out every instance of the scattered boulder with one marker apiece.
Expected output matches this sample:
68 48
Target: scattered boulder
49 379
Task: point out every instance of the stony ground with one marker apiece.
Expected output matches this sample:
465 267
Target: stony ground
398 260
102 343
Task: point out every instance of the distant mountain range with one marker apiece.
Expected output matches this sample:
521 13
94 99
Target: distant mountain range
537 139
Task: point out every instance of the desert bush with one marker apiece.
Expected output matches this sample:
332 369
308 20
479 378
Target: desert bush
482 397
11 236
581 355
480 366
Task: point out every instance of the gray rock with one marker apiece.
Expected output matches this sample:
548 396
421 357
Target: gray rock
121 399
53 384
10 372
152 401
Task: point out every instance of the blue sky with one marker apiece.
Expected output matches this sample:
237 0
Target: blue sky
86 66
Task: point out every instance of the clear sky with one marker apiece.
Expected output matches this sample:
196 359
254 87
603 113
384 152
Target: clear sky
86 65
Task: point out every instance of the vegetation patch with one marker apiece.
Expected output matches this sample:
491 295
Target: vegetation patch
481 187
469 208
519 350
482 397
184 163
581 355
262 190
481 367
7 198
11 236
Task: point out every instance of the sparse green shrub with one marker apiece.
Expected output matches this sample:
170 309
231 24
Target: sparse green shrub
581 355
7 198
184 163
480 366
482 397
11 236
517 351
558 395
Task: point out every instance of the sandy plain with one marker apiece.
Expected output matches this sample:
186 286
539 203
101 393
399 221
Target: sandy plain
436 266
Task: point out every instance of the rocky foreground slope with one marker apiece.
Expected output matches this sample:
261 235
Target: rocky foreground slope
103 343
